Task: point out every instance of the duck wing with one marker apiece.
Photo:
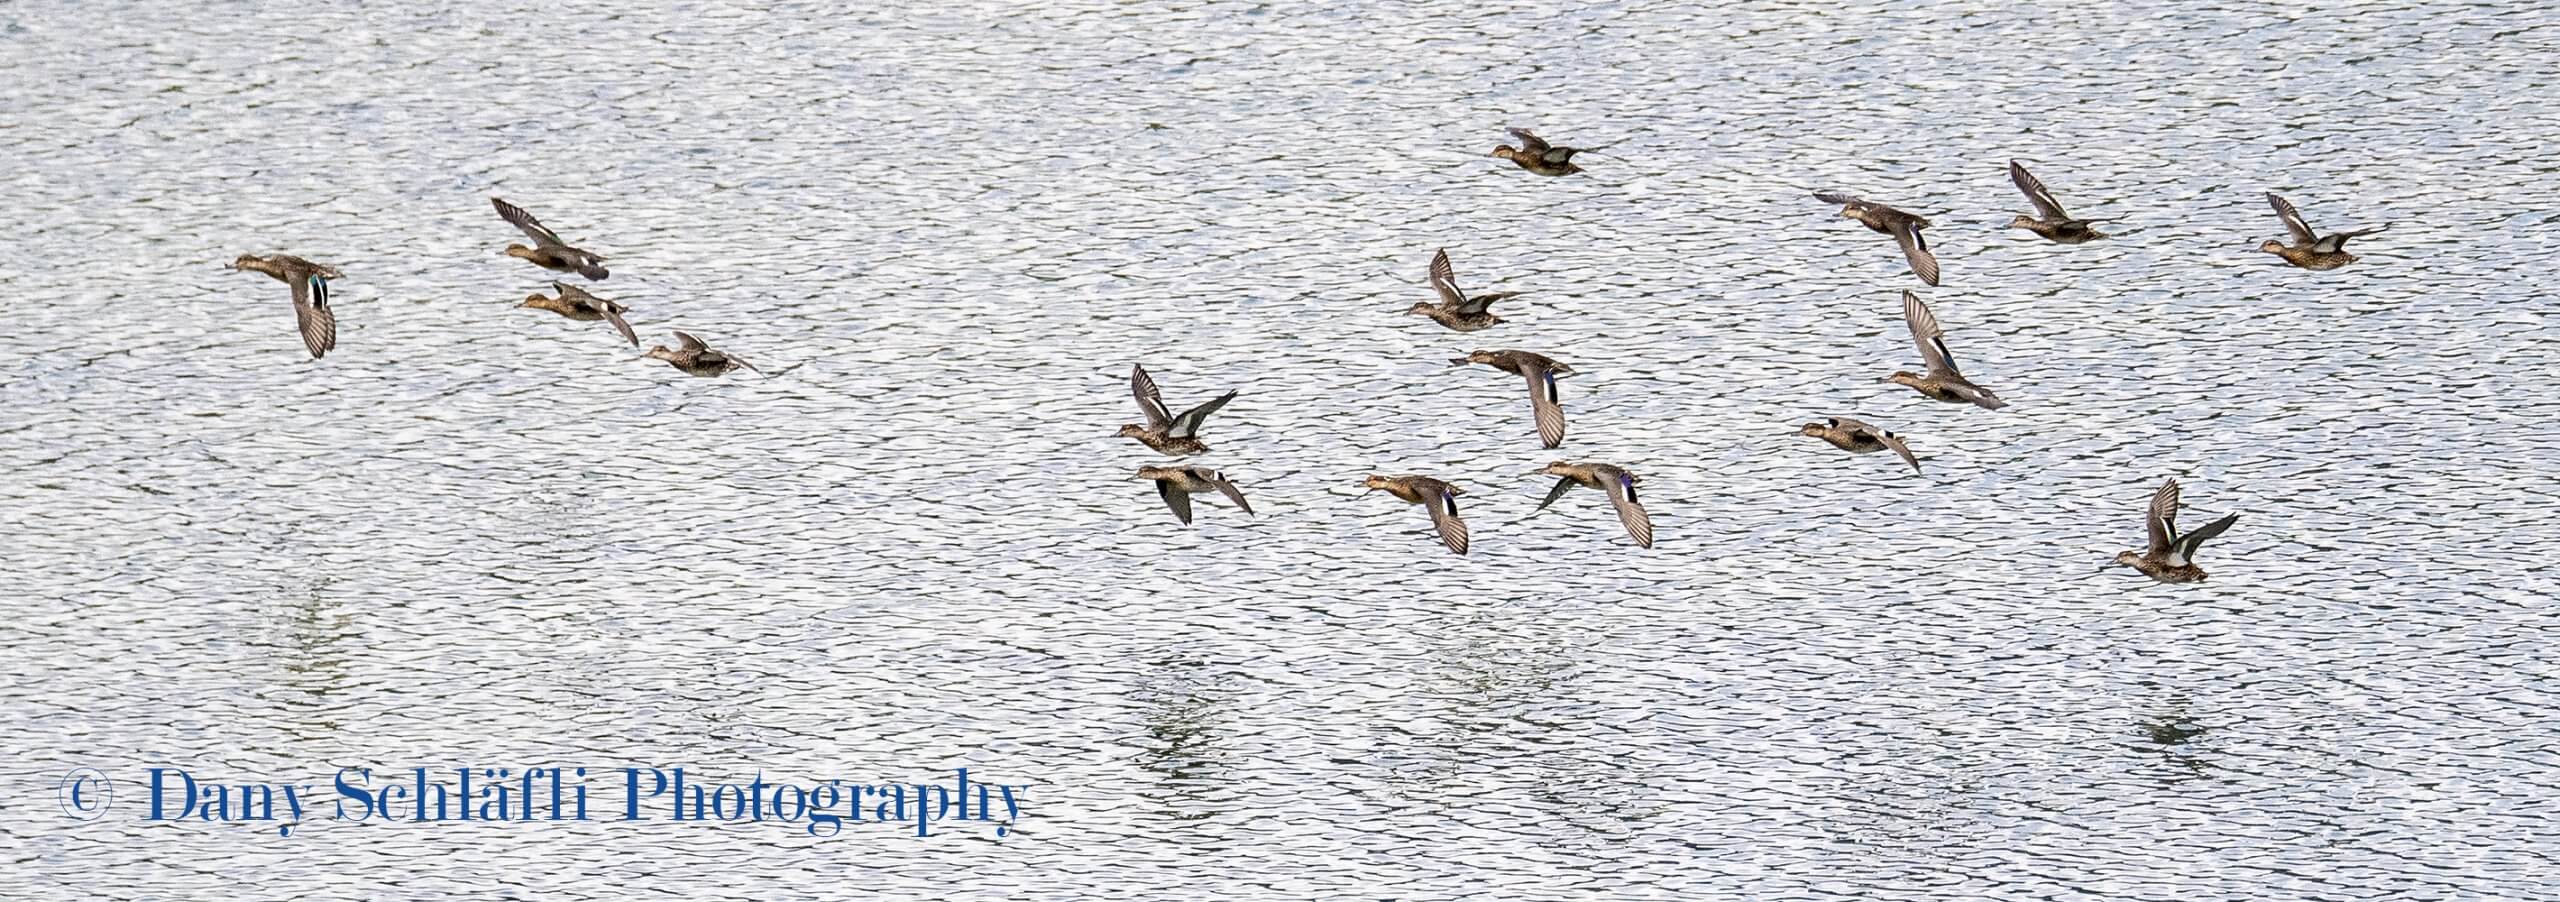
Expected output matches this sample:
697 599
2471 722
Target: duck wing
1443 504
2183 551
1622 495
1188 423
1562 486
532 228
312 316
2162 519
1444 280
1886 439
1906 232
2331 244
1174 497
2292 219
1544 405
1150 401
1926 334
1226 487
2046 207
1530 143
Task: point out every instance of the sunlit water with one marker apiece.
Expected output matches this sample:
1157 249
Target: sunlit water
477 534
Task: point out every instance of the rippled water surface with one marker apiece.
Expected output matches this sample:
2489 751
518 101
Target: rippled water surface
482 535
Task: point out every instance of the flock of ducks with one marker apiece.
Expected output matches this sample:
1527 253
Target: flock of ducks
319 324
2168 556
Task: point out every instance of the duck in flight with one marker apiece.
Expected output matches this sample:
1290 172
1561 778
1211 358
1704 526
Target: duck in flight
1164 431
2056 226
2310 250
2170 558
1616 481
1536 155
1858 437
1904 227
1440 498
575 303
1544 404
1177 484
310 281
1457 310
548 251
698 359
1942 382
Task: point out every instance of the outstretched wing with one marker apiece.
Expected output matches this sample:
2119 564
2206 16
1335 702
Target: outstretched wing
1544 404
312 316
2046 206
1483 302
2333 243
1894 442
686 342
614 316
1926 334
1228 488
1622 495
2183 551
1174 497
1444 517
1916 249
2292 219
1834 197
1150 401
1562 486
1531 144
532 228
2162 519
1445 281
1188 424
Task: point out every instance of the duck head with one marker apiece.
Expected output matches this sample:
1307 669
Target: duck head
1421 309
1132 430
2022 222
1904 378
2271 246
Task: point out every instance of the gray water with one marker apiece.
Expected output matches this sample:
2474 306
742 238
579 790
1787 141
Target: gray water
477 535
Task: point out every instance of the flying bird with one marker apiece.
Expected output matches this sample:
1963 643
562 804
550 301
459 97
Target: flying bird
2310 250
1942 382
1858 437
1164 431
2170 558
1177 484
1457 310
575 303
1440 498
1616 481
1904 227
2056 226
310 281
698 359
1536 155
1544 404
548 251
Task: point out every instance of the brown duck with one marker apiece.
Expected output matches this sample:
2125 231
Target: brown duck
1942 382
2056 226
1544 405
1904 227
1857 437
2170 557
548 251
698 359
575 303
1440 498
2308 250
310 281
1536 155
